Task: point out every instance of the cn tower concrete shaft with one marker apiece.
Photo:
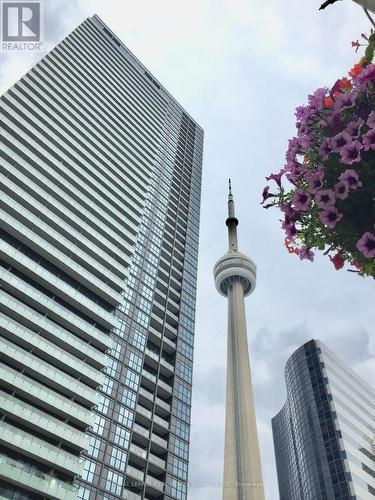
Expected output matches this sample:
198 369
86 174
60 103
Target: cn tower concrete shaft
235 277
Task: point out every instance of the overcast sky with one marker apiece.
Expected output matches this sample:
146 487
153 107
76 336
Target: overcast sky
240 68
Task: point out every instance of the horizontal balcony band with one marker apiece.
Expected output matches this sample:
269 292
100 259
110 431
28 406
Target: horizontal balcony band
140 452
138 429
67 154
159 441
59 287
72 187
82 45
43 423
58 313
41 484
47 398
106 135
39 450
129 495
48 374
65 232
154 483
135 473
65 262
157 461
49 352
66 340
97 232
144 412
160 421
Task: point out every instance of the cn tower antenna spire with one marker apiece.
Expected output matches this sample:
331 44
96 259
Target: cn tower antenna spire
235 278
232 221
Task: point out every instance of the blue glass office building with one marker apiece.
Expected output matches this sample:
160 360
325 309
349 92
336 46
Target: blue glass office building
324 435
99 204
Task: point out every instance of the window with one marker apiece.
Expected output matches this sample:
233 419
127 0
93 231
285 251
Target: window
112 369
179 468
94 447
122 437
183 412
88 471
139 340
118 458
181 449
116 349
145 305
129 398
135 362
178 489
185 372
131 379
98 427
125 416
125 307
103 405
183 392
146 292
83 494
182 430
149 281
128 293
186 350
108 385
153 259
114 482
142 318
152 270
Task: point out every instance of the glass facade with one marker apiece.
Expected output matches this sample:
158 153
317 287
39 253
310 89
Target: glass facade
115 163
324 435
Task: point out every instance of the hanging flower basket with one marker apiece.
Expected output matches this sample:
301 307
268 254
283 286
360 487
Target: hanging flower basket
329 201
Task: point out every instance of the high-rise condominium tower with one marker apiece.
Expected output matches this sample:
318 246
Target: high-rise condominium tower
235 278
324 435
99 211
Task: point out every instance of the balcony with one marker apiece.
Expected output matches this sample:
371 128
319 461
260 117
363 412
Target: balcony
142 431
161 422
165 386
154 484
129 495
48 486
157 461
137 450
135 473
159 441
165 406
168 345
145 413
167 365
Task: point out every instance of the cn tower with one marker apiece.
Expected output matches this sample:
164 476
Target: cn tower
235 278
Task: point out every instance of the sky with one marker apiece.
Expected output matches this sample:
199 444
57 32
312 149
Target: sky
240 68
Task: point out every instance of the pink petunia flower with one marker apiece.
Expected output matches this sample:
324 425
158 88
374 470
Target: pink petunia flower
325 198
371 120
325 148
366 245
340 140
301 200
306 253
342 189
354 128
351 177
369 140
315 180
330 217
351 153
